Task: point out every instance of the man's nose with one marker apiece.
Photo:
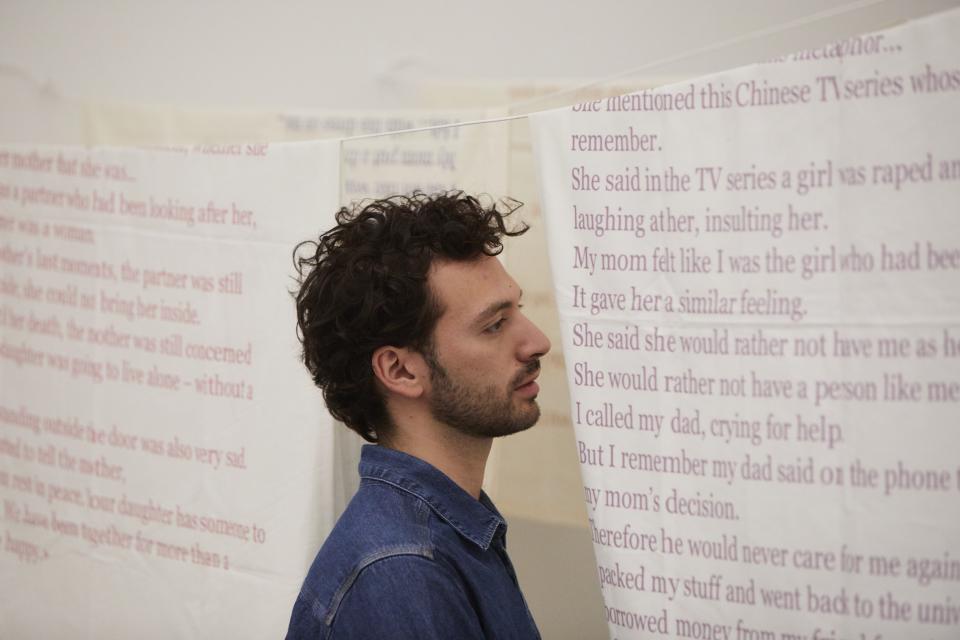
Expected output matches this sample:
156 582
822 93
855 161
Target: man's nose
535 343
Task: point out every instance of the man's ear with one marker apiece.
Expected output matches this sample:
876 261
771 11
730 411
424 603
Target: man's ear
400 370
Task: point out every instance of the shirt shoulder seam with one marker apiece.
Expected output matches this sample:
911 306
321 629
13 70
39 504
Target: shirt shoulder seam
381 554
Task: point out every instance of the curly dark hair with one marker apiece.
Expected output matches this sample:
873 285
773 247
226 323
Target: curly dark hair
364 285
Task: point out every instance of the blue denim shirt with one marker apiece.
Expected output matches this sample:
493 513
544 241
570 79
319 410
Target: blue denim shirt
413 556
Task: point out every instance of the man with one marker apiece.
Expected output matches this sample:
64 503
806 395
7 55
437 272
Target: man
415 334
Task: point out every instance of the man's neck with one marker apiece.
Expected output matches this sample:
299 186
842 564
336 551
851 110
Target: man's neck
460 457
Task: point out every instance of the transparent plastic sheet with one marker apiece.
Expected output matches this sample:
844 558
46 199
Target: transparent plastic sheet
534 477
165 466
880 168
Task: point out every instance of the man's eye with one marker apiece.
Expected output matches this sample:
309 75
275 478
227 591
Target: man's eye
496 326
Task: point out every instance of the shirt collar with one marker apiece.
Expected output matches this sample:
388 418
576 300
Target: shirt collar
476 520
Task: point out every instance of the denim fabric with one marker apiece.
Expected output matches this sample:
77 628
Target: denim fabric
413 556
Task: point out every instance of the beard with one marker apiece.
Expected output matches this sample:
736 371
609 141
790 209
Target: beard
487 412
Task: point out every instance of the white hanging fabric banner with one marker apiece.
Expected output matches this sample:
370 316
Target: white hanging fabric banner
757 278
165 461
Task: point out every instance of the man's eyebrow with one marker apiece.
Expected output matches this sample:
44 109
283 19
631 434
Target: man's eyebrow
493 309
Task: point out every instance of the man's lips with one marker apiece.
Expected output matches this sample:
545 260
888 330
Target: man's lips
533 372
528 383
529 389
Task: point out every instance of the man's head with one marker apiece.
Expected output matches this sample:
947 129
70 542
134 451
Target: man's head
404 299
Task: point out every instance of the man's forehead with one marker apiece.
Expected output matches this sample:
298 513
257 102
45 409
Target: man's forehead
469 287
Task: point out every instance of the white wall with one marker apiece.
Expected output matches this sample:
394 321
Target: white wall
248 53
